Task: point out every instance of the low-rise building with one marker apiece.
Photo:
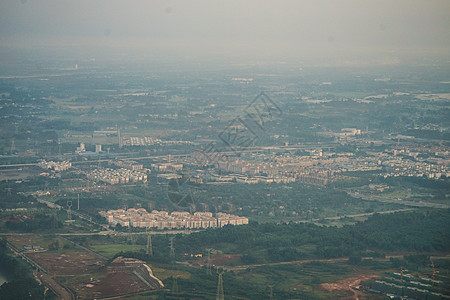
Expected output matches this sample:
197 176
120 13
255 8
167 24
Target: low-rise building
176 220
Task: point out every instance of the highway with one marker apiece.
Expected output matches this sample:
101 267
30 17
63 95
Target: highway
113 156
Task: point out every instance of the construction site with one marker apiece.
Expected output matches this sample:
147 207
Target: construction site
75 271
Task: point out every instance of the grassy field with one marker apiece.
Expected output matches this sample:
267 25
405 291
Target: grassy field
164 272
34 239
109 250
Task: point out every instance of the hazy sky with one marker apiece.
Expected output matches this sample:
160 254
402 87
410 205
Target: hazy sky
235 28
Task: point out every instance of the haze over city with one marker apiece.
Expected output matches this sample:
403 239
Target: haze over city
333 32
224 149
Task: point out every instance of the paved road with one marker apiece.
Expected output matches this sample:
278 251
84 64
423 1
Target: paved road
106 232
358 215
61 292
125 156
397 201
298 262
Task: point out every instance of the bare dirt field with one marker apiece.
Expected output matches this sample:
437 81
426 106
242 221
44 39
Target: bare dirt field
69 262
18 173
84 272
110 285
122 276
349 285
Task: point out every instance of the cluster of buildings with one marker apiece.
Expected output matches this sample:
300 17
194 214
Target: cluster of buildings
167 167
55 166
316 167
400 166
148 141
81 150
175 220
128 164
345 134
32 248
121 175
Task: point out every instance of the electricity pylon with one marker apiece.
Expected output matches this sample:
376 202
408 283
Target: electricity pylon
69 210
172 248
220 295
208 263
149 245
175 286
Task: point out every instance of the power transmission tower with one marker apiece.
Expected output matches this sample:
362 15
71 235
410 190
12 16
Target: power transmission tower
175 286
149 245
172 249
119 138
220 295
59 150
208 263
13 147
131 239
54 220
271 292
69 210
433 272
8 191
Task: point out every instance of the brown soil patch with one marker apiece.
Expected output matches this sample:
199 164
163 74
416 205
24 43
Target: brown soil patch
73 263
110 285
349 284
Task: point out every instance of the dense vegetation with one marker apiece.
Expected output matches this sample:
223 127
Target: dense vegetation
37 222
412 232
